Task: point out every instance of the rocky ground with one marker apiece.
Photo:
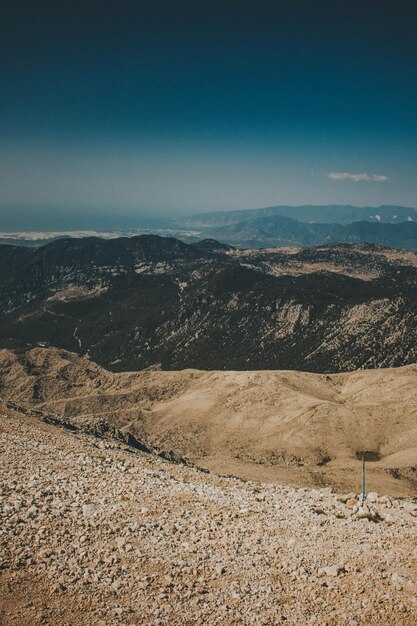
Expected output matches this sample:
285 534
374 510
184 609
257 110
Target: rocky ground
94 532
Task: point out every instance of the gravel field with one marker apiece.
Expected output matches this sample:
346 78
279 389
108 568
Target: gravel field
94 532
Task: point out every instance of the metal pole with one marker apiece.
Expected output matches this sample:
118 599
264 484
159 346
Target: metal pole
363 477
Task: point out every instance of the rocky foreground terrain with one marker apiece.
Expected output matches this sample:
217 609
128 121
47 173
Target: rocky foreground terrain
96 532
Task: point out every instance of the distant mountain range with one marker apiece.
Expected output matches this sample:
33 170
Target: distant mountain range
281 231
322 214
309 225
132 303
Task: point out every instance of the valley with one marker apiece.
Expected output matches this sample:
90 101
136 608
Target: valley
182 428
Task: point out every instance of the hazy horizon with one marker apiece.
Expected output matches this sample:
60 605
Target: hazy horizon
44 221
132 112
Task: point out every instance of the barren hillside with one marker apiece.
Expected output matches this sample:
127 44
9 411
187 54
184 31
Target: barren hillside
294 427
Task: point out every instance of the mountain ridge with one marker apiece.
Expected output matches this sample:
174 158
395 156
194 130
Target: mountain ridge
150 301
279 231
308 212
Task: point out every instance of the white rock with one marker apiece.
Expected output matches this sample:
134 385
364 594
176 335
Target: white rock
331 570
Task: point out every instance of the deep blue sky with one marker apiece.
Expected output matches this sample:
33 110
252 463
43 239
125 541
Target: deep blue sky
166 107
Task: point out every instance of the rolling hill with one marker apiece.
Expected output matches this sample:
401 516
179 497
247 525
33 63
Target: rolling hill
293 427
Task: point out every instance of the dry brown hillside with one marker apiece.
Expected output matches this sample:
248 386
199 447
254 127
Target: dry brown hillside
293 427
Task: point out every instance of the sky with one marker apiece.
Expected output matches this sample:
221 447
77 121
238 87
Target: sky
116 114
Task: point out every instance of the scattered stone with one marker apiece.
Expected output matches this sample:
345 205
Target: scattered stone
220 570
160 543
352 503
331 570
